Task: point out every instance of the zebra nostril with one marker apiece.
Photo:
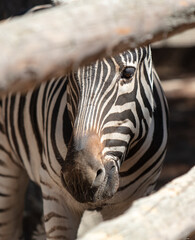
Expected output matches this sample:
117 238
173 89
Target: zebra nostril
100 175
99 172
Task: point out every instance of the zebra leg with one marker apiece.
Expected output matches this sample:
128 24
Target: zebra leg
13 183
61 221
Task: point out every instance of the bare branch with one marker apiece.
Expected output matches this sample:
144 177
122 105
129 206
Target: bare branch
53 42
180 88
168 214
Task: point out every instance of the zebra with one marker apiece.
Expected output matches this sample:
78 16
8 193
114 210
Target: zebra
94 139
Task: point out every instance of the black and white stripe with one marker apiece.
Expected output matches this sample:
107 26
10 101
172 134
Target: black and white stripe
128 115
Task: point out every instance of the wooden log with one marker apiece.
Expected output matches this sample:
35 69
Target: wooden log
35 48
180 88
167 214
185 39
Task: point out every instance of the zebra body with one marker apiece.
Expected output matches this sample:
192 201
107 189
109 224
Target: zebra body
94 139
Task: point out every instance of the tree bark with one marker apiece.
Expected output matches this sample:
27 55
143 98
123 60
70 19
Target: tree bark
50 43
167 214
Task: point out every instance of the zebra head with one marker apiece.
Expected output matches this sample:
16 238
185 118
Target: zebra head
110 105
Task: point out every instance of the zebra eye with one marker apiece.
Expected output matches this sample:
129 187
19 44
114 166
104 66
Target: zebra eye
128 72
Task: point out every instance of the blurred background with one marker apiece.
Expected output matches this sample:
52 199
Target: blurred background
174 60
9 8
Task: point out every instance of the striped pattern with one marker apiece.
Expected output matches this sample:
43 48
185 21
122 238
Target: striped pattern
128 115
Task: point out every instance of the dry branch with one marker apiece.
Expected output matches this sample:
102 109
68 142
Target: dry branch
53 42
180 88
168 214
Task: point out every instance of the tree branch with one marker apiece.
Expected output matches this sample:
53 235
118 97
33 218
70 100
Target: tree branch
55 41
168 214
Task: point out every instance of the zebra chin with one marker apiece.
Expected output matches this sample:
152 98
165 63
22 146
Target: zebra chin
84 193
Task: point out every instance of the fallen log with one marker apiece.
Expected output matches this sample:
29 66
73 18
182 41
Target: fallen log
167 214
53 42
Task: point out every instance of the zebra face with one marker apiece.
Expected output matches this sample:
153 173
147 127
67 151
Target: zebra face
108 102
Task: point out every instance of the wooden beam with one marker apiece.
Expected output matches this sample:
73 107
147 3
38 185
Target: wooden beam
167 214
53 42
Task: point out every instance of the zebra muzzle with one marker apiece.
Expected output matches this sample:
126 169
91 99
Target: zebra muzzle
86 174
91 186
